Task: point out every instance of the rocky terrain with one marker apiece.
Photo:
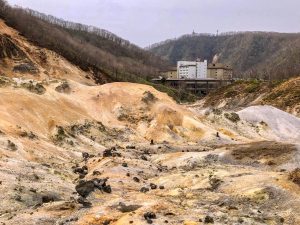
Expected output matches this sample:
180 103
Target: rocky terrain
72 152
284 95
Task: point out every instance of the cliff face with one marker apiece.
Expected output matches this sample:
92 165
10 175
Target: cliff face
9 49
21 58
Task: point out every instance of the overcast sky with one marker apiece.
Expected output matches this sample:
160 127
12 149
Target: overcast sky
145 22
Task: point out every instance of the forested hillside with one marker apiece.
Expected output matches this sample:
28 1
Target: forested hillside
88 47
252 54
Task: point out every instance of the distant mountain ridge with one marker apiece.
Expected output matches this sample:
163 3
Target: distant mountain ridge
252 54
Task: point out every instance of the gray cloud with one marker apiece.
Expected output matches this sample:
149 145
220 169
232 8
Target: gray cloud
148 21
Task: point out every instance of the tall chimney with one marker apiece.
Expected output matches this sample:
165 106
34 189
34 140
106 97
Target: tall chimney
215 59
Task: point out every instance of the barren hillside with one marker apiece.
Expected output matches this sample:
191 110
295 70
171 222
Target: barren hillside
20 58
58 144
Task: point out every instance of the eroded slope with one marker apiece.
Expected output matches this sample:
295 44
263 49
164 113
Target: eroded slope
61 140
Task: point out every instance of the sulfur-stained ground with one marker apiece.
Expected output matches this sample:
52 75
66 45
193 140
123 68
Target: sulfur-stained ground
72 152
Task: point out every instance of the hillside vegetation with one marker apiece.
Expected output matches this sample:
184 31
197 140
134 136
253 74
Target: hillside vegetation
88 47
252 54
104 55
284 95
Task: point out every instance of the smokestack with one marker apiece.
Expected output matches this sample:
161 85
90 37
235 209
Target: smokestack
215 59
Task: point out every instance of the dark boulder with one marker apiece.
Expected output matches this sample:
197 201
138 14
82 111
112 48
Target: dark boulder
85 188
144 190
208 219
112 152
153 186
135 179
149 215
50 197
144 158
85 155
63 88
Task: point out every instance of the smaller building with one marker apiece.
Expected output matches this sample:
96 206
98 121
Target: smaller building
169 74
219 71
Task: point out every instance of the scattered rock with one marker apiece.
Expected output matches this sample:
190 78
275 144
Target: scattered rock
63 88
96 173
30 135
271 163
124 164
149 97
106 222
208 219
143 157
217 112
84 188
34 88
12 146
144 190
60 135
83 171
85 155
122 207
153 186
150 215
25 68
240 220
50 197
214 182
112 152
211 158
233 117
136 179
232 207
294 176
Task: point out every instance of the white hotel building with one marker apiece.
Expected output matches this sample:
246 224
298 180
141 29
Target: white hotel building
192 69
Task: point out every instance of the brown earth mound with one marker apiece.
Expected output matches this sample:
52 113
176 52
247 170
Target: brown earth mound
266 152
283 95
